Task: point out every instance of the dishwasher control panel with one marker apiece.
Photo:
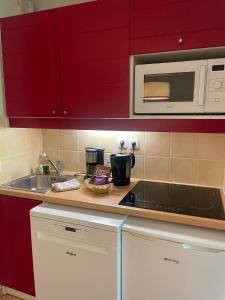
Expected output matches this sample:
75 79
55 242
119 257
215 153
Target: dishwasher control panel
73 231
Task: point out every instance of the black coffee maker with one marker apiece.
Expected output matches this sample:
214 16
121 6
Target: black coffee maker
94 157
121 164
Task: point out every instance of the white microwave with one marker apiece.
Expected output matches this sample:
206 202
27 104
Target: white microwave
180 88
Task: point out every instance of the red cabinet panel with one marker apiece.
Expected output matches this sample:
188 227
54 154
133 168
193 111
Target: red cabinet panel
2 248
31 68
96 15
16 252
190 40
94 60
156 23
159 125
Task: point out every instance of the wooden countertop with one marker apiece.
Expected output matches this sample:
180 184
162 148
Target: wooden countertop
109 203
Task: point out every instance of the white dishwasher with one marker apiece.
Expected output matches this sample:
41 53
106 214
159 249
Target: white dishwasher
76 253
166 261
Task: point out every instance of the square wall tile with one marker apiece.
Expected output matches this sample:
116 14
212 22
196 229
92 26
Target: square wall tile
51 139
108 141
14 167
138 170
183 170
7 169
3 143
82 162
157 144
184 145
70 160
33 157
17 140
21 166
212 146
87 138
156 168
211 173
68 140
4 122
34 139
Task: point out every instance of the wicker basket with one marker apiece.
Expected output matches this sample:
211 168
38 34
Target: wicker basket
101 189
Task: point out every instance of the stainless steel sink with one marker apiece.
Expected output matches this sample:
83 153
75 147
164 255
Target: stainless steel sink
36 183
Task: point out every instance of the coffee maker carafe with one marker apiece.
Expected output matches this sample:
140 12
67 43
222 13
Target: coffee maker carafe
94 157
121 164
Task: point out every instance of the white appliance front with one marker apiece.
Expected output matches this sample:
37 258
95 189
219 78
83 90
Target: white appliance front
183 87
185 92
74 261
215 91
163 261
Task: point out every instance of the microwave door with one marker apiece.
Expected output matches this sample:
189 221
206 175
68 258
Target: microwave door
170 88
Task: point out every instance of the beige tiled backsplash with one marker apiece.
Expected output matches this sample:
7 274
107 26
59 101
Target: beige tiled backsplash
19 152
177 157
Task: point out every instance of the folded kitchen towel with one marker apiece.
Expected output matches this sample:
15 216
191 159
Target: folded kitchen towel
72 184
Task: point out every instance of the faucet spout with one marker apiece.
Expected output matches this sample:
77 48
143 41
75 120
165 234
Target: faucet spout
57 168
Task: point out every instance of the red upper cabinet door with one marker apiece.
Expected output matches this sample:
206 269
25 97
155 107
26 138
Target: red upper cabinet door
94 59
31 68
164 25
16 254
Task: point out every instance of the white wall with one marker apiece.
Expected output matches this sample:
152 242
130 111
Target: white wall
8 8
12 7
46 4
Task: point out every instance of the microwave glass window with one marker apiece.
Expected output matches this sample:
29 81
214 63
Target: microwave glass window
170 87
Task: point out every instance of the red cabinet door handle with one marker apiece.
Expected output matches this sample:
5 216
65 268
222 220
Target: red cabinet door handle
53 112
65 112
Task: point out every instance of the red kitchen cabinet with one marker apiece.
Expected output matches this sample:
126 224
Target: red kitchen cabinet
76 68
31 68
166 25
2 248
94 59
16 269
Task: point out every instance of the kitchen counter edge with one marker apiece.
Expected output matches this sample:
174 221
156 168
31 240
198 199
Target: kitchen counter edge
110 203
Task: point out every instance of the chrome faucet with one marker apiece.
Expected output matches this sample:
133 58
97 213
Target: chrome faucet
57 166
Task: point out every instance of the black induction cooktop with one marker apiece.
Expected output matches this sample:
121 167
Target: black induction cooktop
175 198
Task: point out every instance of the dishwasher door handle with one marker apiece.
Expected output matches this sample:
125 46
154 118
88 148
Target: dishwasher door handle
71 243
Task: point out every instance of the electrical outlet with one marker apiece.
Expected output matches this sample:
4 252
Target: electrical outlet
120 139
134 140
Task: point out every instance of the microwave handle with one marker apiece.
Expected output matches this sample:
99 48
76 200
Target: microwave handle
201 92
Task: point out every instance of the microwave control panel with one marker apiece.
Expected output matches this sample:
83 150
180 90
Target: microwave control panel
215 97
